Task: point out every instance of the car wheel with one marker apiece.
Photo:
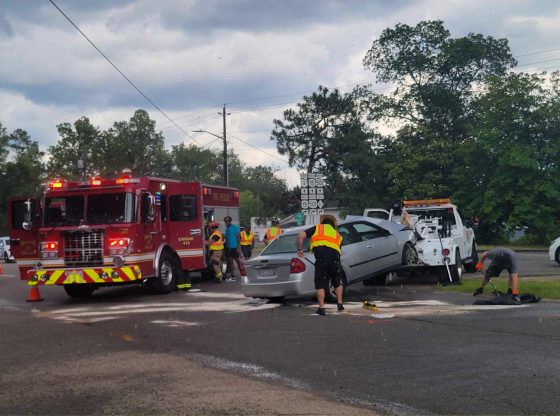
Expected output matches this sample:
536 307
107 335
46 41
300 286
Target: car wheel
557 255
168 274
409 255
275 299
457 268
79 291
330 295
471 267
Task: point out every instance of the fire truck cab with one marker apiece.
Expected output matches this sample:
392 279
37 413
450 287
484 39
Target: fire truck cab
87 234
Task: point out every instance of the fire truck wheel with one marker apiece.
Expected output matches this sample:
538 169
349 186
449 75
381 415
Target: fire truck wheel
167 276
79 291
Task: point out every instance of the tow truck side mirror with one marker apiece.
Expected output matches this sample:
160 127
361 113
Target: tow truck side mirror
469 224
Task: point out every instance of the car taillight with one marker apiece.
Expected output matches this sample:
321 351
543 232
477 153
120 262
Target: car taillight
119 246
297 266
445 252
49 249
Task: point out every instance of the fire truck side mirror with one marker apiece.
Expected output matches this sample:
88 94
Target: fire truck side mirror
151 208
27 216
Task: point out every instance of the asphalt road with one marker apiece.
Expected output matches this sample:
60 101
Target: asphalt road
213 351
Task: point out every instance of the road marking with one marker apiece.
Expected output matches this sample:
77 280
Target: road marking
211 302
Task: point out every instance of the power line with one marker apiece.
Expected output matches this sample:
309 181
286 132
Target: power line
536 53
540 62
123 75
260 150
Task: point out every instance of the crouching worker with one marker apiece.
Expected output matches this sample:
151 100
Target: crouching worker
501 259
216 247
325 245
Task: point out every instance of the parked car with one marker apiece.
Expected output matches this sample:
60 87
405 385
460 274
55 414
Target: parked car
554 250
5 249
371 248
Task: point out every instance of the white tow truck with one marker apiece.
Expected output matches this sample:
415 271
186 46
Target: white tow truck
445 244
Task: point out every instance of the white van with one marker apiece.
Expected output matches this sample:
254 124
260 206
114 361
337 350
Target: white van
5 249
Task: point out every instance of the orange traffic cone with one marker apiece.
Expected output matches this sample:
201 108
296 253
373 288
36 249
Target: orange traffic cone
1 269
34 295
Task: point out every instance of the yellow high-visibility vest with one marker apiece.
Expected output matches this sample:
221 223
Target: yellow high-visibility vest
272 233
218 244
327 236
247 239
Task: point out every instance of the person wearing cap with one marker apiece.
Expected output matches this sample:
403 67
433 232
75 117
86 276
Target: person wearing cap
216 246
325 245
247 241
272 232
233 249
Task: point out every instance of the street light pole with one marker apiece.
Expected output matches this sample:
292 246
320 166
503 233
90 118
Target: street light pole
225 167
226 176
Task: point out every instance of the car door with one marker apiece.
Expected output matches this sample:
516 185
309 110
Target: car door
369 250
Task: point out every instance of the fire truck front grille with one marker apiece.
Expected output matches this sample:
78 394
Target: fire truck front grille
83 248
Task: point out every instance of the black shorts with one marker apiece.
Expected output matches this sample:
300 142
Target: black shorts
232 253
498 265
326 270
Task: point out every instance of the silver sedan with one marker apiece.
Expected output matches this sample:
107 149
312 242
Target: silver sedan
371 248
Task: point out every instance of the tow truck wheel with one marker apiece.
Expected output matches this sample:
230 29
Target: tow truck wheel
457 268
79 291
167 274
471 267
557 255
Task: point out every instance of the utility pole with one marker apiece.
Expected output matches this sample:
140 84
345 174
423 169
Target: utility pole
226 178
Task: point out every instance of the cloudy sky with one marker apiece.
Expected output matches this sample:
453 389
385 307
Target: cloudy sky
190 57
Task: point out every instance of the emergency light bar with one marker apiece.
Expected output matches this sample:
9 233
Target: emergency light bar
425 202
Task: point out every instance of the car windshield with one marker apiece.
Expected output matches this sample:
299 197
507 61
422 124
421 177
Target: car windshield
286 243
113 208
64 211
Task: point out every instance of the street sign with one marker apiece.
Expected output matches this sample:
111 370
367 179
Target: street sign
299 217
312 194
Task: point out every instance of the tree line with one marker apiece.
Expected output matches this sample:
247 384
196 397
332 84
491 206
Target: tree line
136 146
457 122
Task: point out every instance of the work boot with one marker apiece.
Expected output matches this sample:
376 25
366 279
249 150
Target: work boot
321 311
340 307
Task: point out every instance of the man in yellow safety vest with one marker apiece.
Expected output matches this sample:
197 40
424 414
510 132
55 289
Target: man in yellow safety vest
325 245
247 241
216 247
272 232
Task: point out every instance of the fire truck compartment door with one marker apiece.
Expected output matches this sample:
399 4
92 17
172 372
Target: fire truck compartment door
185 223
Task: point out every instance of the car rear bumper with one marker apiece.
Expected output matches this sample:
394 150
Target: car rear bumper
296 287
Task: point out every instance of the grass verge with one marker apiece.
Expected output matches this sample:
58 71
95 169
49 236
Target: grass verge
544 287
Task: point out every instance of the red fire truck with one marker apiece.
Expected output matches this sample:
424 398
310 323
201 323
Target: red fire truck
101 232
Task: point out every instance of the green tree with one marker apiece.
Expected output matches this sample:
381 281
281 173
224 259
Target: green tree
78 142
135 145
512 172
193 163
22 170
433 76
305 133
